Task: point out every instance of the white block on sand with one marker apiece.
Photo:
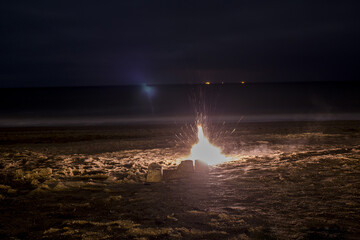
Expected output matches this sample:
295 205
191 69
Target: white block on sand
154 173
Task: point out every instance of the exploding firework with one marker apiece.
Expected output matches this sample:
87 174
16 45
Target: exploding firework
203 150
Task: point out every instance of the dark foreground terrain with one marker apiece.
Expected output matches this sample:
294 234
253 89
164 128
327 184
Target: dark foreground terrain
296 180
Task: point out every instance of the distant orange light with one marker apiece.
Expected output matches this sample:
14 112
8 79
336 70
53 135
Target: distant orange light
207 83
242 82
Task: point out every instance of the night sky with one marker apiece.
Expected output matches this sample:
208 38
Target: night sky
99 43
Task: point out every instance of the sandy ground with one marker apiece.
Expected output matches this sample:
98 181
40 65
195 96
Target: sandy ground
298 180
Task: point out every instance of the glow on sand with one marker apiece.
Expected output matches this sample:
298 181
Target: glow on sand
203 150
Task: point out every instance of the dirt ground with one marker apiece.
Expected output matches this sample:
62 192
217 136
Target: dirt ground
293 180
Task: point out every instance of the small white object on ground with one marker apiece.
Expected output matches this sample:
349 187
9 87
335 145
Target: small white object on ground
155 173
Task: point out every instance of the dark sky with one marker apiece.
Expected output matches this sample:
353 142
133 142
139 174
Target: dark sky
86 43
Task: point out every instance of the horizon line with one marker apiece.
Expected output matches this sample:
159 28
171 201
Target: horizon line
181 84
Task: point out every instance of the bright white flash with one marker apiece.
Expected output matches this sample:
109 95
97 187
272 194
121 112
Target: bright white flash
203 150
